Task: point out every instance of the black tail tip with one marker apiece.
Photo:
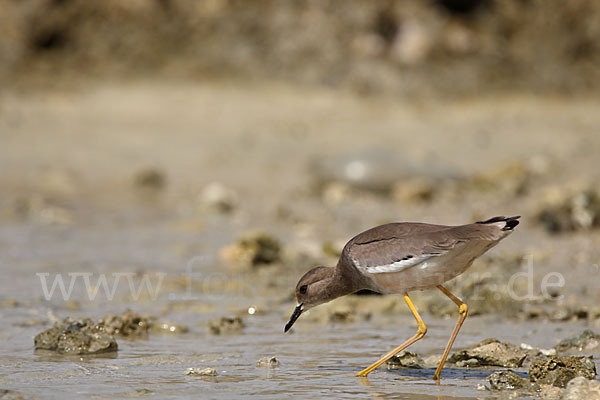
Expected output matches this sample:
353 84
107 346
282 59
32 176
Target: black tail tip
511 222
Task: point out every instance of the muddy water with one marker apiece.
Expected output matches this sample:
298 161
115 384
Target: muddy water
317 359
70 209
314 360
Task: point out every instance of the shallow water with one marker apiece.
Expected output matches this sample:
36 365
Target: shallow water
314 361
99 143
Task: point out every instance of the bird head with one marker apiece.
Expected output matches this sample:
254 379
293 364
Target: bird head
312 289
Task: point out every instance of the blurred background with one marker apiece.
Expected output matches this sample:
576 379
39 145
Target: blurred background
231 145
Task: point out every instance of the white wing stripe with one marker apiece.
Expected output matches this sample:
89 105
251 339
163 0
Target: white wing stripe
398 265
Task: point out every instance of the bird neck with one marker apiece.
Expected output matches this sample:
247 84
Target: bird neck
334 285
346 280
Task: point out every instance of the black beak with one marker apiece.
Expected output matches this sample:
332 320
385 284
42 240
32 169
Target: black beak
294 317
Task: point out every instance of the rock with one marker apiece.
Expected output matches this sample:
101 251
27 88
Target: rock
414 190
76 337
201 372
150 178
490 352
268 362
167 328
218 197
582 388
128 324
571 211
534 354
432 361
336 193
549 392
252 250
558 371
585 341
226 325
506 380
511 178
406 359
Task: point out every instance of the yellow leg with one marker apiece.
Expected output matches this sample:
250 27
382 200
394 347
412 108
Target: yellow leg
420 333
462 311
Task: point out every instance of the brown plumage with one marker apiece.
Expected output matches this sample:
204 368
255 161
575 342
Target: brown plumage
399 258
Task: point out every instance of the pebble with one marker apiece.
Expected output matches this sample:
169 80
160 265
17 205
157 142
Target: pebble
127 324
150 178
558 371
252 250
226 325
581 388
71 336
201 372
490 352
584 342
506 380
568 211
219 197
268 362
406 359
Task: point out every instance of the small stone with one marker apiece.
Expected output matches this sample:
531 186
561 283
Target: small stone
570 211
549 392
336 193
219 197
481 387
512 178
470 363
226 325
406 359
75 337
506 380
414 190
585 341
268 362
127 324
252 250
201 372
490 352
582 388
558 371
150 178
534 354
432 361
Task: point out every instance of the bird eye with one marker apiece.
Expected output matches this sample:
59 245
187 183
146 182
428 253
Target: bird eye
303 289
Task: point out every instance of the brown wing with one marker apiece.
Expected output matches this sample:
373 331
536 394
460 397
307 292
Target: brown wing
393 247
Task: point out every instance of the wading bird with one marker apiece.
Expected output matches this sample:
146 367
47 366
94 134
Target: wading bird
399 258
